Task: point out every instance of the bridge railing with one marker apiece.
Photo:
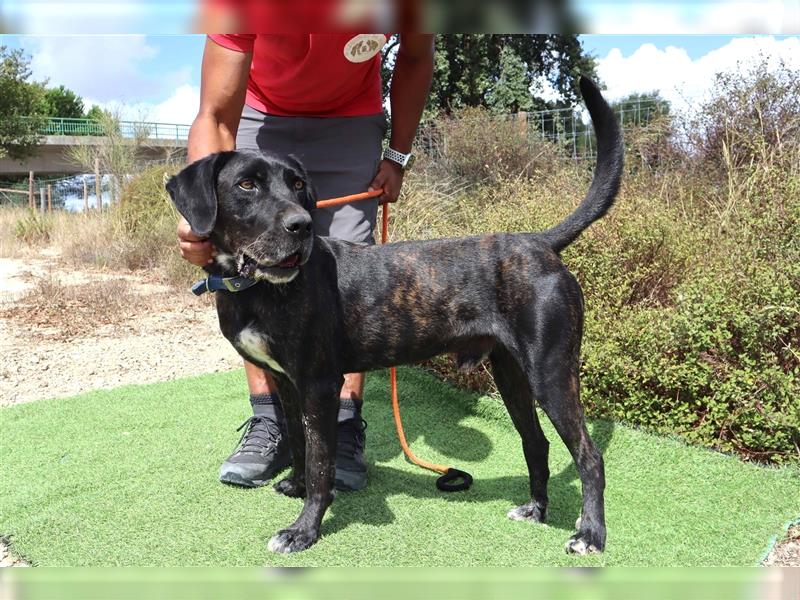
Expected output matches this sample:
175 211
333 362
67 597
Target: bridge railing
146 129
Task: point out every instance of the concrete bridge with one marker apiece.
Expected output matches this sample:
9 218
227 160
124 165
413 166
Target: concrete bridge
157 141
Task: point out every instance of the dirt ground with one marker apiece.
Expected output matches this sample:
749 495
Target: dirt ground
64 331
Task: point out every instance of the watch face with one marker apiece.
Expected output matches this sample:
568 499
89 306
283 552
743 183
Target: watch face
410 162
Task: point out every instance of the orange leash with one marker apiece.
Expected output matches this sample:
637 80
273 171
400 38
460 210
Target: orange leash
449 474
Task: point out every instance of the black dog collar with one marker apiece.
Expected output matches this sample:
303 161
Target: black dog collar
215 283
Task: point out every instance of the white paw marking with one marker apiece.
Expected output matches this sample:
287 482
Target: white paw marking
514 515
253 344
276 545
579 546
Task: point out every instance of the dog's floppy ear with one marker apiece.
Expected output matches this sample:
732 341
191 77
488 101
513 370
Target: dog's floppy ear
194 191
310 200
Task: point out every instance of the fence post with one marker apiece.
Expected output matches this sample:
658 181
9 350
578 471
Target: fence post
85 197
522 124
42 193
49 198
31 200
97 189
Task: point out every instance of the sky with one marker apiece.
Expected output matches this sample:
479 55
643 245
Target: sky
157 77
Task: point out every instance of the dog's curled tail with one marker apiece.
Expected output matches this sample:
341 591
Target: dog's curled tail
607 174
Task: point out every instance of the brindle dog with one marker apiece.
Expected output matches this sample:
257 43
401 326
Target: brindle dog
324 307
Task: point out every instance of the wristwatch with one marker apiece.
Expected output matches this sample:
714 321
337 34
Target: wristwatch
404 160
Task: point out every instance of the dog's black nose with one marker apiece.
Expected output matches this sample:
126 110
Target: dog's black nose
298 223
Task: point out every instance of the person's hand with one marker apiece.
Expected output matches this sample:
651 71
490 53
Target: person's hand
390 178
195 249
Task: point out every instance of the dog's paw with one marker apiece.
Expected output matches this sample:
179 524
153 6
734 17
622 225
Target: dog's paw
291 540
585 542
291 487
528 512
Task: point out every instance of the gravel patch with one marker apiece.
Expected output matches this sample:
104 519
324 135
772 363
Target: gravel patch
786 552
9 560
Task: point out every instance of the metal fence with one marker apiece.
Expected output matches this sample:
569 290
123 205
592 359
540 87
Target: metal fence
570 129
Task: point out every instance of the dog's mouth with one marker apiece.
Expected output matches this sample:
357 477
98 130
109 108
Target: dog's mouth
281 271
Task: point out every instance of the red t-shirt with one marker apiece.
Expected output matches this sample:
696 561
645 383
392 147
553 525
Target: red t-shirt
316 75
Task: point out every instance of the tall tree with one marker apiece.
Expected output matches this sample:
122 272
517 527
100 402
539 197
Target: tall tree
63 103
23 107
96 113
469 67
511 92
640 109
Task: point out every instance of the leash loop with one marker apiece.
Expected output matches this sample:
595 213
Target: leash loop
444 482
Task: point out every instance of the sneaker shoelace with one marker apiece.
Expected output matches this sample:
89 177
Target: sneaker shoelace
351 436
261 432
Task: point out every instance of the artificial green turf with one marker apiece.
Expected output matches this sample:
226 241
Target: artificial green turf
129 477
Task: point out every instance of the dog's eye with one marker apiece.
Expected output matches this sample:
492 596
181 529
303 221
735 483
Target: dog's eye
299 184
247 184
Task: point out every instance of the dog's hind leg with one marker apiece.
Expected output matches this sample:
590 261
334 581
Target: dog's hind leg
555 384
517 395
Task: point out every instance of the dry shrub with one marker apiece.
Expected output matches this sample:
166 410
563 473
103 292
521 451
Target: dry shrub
754 116
62 311
474 145
137 234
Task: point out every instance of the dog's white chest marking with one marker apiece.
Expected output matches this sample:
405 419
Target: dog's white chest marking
253 344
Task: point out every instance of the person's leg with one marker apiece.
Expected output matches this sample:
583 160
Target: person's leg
341 155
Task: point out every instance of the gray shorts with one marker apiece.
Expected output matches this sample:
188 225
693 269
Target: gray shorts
341 155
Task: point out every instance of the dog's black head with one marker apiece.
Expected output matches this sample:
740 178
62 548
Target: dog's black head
254 208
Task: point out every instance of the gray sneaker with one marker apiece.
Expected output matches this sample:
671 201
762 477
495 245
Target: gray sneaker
351 468
262 452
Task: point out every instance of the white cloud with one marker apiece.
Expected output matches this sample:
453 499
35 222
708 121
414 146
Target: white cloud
685 81
688 18
103 67
181 107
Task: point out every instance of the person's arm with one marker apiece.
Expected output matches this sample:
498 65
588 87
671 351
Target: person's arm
223 85
411 83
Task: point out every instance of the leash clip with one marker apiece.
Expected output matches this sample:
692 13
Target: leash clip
200 287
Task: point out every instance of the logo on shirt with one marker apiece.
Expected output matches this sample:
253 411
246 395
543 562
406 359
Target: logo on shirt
364 46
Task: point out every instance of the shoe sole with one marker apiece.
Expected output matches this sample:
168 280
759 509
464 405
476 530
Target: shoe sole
346 481
238 480
234 478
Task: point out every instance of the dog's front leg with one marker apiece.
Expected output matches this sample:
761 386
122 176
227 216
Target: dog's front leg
320 407
295 484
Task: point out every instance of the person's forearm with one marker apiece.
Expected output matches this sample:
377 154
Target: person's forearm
208 135
411 83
